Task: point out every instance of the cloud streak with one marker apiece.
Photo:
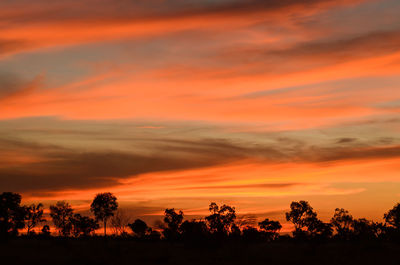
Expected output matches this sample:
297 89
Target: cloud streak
110 158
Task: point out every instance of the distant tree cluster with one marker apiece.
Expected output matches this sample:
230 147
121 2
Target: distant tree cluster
222 223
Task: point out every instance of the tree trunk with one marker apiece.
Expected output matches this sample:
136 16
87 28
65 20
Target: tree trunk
105 231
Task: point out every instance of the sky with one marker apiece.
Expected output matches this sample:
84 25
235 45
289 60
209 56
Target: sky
178 103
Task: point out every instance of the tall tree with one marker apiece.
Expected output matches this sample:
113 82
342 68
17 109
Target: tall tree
173 221
12 214
392 217
103 206
221 218
34 216
300 215
343 223
61 213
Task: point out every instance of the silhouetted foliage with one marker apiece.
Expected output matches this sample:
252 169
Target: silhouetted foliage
300 214
61 213
221 219
83 225
34 216
392 217
365 229
173 221
342 222
103 206
271 228
119 222
252 234
153 235
12 214
306 223
318 229
236 232
194 231
45 231
139 228
222 223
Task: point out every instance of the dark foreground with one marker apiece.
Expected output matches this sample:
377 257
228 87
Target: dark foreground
114 251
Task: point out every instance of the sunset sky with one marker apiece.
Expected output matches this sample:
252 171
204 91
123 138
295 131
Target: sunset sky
177 103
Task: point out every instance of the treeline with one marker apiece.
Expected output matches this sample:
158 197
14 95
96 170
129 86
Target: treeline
221 223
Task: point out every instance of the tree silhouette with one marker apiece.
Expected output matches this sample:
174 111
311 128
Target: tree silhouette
45 231
301 214
252 234
342 222
194 231
221 219
271 228
365 229
318 229
83 225
103 206
12 214
392 217
61 214
34 216
173 221
139 227
119 222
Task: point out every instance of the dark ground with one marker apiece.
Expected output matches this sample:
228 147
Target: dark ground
114 251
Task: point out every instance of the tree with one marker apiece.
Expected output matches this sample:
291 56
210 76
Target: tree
119 222
221 218
45 231
34 216
83 225
139 227
342 222
252 234
392 217
12 214
173 221
318 229
61 214
301 213
103 206
194 231
365 229
271 228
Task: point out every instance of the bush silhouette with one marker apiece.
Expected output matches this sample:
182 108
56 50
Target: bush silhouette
139 228
45 231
